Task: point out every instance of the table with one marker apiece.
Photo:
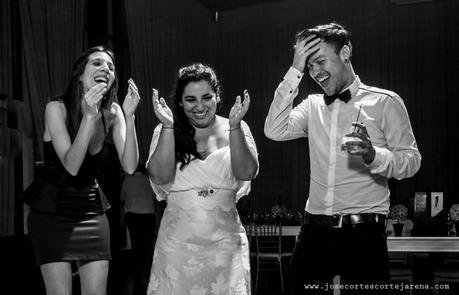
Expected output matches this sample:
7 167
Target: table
405 244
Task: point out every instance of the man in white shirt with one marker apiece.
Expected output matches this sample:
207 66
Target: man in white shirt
359 137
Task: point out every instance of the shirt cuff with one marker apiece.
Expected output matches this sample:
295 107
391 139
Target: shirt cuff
381 156
294 76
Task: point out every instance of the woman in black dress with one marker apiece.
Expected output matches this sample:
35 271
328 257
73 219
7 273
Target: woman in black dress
67 221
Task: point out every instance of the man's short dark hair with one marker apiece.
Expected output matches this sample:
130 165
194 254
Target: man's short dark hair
332 33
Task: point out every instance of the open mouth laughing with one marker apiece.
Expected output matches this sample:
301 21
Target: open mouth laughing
103 78
323 80
200 115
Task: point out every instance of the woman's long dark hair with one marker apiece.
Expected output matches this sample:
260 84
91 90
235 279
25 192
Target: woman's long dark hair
184 132
74 91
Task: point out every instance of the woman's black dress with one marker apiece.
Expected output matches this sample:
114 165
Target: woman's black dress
67 220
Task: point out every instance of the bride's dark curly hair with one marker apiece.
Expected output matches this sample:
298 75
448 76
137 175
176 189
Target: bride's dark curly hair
184 132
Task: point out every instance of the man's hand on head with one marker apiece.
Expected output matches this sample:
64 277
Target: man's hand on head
303 50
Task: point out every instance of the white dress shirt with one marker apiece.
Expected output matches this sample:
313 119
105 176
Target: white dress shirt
341 183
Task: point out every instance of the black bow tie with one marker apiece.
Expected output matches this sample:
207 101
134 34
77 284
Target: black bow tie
344 96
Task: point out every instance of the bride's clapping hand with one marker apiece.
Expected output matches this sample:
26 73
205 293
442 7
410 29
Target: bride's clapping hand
162 110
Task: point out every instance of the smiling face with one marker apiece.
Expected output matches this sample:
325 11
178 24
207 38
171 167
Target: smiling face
330 69
99 69
199 103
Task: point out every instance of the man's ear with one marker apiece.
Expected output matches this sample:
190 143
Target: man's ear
345 53
218 98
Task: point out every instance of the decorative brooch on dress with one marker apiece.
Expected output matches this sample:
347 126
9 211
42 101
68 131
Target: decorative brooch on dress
205 192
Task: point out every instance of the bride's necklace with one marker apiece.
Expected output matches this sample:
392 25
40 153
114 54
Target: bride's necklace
206 146
203 151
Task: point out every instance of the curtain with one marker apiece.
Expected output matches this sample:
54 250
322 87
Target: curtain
53 35
423 67
6 94
163 36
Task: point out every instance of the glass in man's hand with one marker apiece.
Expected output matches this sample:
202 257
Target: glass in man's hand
350 143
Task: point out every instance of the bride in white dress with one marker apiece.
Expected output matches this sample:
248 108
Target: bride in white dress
201 164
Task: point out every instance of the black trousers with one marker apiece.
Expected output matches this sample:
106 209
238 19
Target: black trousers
142 230
357 253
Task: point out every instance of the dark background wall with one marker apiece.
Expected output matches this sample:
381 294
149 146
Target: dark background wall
410 49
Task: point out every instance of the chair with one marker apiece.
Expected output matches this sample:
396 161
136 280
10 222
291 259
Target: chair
269 255
449 272
250 229
250 232
400 268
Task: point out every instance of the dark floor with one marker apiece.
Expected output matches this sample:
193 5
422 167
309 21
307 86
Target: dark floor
22 276
20 273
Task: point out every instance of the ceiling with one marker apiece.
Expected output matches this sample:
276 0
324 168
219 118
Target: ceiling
224 5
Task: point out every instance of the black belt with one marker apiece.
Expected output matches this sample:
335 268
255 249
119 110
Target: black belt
342 220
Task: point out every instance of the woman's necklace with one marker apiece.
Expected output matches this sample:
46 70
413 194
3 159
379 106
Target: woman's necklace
203 151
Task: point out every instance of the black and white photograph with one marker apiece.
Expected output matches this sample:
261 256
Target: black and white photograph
229 147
